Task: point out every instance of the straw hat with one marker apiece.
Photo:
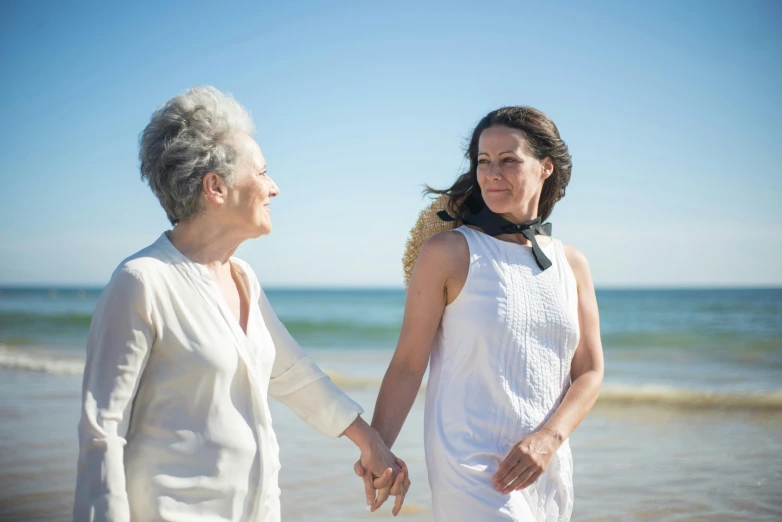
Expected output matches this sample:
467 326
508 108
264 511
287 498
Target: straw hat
427 225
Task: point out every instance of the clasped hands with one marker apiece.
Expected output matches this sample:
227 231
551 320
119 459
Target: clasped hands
383 474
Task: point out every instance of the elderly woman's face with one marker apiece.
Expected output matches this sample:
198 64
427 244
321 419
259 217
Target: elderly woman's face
510 178
247 204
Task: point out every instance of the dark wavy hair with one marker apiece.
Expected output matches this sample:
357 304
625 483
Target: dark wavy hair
542 137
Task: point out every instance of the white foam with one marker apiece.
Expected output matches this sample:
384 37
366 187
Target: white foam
32 361
610 394
618 394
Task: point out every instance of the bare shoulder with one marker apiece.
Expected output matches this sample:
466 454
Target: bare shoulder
443 255
578 263
445 247
449 242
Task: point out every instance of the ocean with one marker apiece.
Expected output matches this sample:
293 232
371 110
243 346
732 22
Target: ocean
688 426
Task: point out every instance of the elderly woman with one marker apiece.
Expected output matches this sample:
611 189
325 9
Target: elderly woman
184 348
509 320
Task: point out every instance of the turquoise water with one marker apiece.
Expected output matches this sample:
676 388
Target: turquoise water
706 340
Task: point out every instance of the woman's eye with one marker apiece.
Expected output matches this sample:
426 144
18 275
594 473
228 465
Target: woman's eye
509 160
483 162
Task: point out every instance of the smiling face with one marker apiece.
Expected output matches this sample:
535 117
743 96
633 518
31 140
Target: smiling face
246 204
510 177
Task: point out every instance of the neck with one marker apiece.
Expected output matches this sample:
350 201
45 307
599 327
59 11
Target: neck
206 242
522 215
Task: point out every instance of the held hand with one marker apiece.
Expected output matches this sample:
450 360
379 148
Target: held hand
525 462
397 487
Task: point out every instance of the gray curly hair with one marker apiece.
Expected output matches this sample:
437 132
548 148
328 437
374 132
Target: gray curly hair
187 138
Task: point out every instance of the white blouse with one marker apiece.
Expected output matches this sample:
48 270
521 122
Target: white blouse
175 423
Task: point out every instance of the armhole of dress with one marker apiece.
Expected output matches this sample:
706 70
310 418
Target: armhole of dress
571 290
463 231
570 277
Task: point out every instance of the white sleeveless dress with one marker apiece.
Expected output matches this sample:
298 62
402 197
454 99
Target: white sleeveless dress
500 366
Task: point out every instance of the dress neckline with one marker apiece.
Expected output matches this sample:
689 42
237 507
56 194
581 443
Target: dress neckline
526 247
202 272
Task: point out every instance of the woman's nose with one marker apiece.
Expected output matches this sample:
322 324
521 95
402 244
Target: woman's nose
274 190
494 170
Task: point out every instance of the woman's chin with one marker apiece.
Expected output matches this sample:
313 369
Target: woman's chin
263 230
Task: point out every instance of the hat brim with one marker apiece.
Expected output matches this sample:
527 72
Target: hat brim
428 225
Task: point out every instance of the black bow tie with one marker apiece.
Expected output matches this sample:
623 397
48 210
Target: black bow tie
494 225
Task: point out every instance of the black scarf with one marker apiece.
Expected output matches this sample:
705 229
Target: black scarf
494 225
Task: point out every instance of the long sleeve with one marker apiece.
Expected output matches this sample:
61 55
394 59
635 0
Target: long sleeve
301 385
118 345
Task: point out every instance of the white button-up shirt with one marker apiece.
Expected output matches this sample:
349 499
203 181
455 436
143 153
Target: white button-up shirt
175 422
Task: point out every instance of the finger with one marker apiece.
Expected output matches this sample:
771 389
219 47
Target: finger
505 466
385 479
358 468
530 481
502 479
382 496
398 484
407 482
511 476
398 501
400 497
519 480
369 489
401 464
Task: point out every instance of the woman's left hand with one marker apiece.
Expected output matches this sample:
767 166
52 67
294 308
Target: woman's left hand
526 461
382 472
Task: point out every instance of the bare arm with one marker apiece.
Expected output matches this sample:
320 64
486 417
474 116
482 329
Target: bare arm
528 459
586 369
437 279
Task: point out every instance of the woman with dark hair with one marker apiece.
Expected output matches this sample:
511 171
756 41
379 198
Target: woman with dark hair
508 317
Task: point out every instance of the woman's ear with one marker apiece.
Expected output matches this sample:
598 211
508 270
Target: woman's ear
548 168
214 187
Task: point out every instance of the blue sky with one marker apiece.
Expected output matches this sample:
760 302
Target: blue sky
672 112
